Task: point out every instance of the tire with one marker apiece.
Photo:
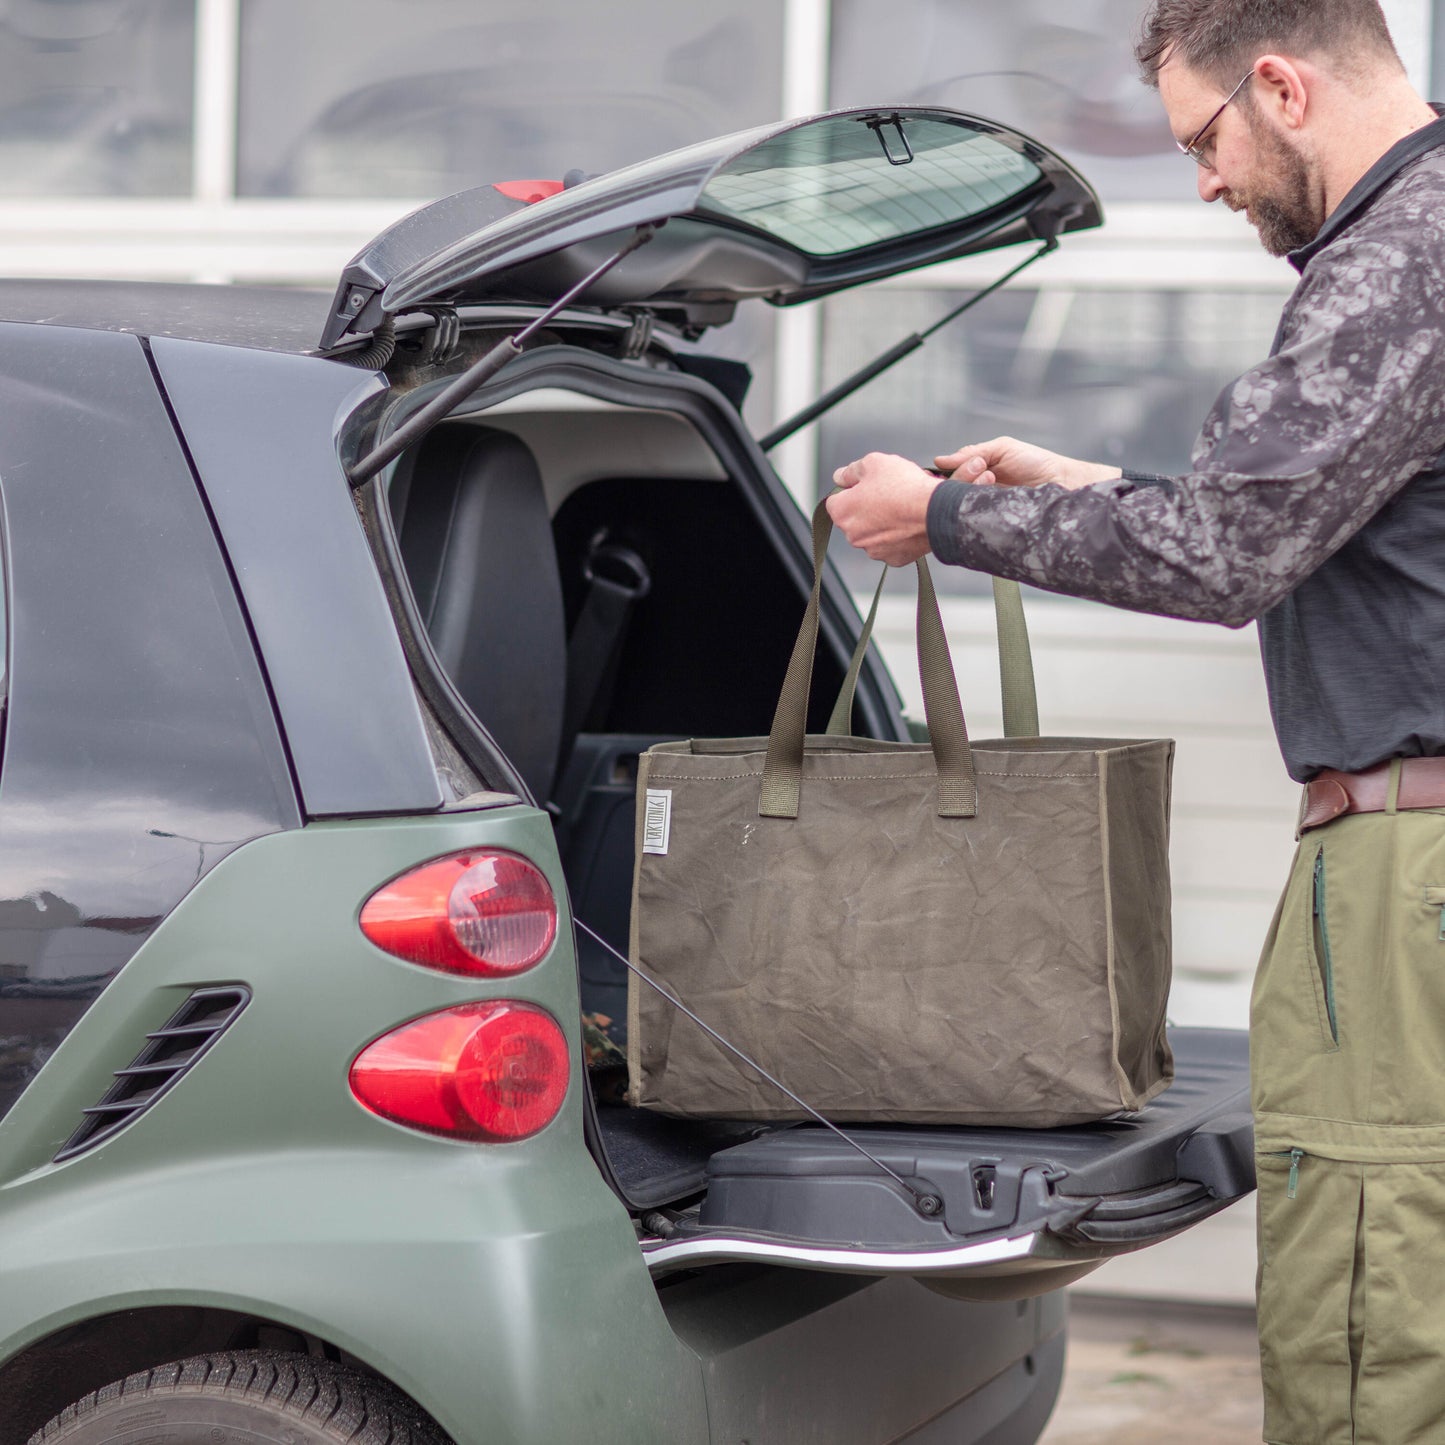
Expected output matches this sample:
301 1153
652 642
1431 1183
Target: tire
251 1397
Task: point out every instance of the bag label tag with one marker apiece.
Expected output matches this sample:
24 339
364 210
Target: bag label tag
657 820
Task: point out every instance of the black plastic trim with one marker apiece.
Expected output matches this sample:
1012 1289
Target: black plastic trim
195 1026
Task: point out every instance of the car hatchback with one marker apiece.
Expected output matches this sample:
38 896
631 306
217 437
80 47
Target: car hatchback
335 627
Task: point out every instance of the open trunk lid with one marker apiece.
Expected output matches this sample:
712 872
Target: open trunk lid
1005 1213
787 212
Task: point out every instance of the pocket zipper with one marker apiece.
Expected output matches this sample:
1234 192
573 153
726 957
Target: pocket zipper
1294 1156
1322 943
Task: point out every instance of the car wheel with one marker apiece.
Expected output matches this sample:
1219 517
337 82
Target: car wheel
244 1398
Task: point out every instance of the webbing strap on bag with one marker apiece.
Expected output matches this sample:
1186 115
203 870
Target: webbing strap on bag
1015 662
783 770
1015 665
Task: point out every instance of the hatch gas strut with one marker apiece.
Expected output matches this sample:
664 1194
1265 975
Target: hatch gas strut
892 356
483 370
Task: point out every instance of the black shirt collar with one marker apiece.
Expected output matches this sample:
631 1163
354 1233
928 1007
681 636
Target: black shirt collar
1363 193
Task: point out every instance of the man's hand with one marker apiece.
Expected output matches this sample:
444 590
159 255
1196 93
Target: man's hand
1006 462
883 507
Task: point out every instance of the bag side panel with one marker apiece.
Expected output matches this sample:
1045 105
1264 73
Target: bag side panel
1136 809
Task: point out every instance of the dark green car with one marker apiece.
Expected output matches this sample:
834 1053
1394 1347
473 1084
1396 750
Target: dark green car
315 759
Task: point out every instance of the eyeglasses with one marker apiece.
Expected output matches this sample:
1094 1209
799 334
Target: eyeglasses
1193 149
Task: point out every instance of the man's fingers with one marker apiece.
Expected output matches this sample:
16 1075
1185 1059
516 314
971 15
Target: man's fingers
968 465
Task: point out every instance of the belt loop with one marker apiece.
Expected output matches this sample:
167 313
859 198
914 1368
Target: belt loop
1392 792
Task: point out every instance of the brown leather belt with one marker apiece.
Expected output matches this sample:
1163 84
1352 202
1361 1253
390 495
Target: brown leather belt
1331 794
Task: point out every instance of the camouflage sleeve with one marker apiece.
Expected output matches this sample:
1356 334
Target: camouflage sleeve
1295 458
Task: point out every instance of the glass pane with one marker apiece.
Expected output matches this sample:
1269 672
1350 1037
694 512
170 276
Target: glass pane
1437 57
96 98
1063 73
1113 376
842 185
420 98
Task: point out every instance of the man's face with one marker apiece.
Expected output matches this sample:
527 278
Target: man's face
1251 164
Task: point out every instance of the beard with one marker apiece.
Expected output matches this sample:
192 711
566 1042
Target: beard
1281 206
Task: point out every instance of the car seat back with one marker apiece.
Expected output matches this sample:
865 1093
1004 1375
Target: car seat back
476 541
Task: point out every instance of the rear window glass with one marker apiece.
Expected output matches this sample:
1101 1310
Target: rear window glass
846 184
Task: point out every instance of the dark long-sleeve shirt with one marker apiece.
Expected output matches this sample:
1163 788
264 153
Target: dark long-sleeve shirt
1316 502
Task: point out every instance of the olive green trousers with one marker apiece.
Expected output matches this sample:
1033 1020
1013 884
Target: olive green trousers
1347 1052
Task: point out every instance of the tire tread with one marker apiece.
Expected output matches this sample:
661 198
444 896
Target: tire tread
344 1404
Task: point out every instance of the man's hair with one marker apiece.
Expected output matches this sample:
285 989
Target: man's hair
1219 38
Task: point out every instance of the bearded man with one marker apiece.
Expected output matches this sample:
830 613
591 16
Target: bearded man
1315 504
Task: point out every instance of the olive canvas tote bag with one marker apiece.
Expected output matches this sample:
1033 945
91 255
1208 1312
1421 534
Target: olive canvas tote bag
931 933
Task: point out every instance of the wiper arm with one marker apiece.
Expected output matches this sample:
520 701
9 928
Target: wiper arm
483 370
892 356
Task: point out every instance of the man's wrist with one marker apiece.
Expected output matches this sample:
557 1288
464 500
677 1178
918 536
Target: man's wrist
943 507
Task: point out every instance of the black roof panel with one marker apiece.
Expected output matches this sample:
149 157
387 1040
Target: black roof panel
264 318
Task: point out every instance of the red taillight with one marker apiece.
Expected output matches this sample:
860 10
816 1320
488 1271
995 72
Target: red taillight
487 1071
487 914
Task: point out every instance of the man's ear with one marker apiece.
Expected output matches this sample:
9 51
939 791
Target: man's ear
1280 91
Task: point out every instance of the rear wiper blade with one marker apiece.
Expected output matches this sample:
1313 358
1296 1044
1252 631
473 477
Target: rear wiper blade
483 370
893 356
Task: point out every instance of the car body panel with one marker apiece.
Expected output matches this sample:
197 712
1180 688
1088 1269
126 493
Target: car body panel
140 743
260 1184
261 429
475 1277
730 234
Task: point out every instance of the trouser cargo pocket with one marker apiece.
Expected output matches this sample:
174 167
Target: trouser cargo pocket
1351 1300
1348 1016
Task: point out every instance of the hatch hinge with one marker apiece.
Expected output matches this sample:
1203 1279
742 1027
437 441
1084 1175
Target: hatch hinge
357 311
486 367
443 340
639 334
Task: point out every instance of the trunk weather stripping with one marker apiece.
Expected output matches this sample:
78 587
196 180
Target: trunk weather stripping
482 371
894 354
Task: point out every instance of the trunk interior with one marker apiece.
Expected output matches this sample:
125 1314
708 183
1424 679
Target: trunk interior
640 533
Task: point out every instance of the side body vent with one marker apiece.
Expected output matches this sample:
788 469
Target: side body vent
169 1052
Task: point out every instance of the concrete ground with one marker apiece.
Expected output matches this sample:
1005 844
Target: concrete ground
1145 1373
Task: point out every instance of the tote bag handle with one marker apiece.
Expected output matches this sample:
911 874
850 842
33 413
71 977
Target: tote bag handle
783 770
1015 665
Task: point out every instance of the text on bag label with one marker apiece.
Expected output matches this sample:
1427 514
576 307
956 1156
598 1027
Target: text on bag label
657 820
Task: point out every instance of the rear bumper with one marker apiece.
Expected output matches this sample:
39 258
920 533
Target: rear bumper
787 1357
1039 1208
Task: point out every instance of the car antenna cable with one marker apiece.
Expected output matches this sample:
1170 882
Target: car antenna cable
484 369
927 1205
893 355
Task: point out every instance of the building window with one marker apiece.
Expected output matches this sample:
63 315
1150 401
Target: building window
1062 73
1109 375
96 99
426 97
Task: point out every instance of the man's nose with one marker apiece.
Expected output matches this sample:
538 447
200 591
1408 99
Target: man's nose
1210 186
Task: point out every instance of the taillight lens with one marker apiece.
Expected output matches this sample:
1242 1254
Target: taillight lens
486 914
493 1072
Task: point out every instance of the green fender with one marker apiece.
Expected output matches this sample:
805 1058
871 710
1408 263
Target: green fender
499 1285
